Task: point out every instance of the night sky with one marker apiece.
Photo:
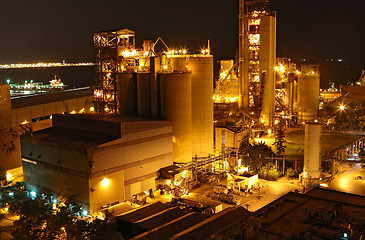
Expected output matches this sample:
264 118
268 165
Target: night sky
50 30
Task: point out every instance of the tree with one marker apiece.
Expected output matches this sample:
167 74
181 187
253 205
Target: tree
280 138
257 155
41 218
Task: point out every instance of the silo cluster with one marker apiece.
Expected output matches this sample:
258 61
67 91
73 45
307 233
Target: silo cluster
182 94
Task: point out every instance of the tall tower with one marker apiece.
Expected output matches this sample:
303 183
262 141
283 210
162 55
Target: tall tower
257 57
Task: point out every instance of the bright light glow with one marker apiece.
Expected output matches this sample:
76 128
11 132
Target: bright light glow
73 112
269 131
84 212
342 107
8 176
25 122
33 194
91 109
11 194
169 181
105 182
185 173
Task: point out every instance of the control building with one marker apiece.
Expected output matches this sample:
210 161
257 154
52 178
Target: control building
172 85
257 58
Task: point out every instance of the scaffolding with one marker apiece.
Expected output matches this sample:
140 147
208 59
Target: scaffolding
108 63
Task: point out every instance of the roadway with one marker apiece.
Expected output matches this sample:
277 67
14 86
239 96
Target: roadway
346 182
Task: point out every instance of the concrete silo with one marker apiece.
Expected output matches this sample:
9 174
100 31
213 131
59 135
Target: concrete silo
312 154
144 94
127 94
202 104
201 68
308 93
175 104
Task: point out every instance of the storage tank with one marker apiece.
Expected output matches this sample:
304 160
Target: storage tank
175 103
127 94
201 68
308 93
312 154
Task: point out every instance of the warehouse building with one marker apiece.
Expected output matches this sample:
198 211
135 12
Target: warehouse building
97 160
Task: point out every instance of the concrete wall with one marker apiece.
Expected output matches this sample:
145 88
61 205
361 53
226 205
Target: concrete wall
101 194
138 155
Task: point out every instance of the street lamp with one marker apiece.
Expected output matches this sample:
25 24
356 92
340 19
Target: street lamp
341 107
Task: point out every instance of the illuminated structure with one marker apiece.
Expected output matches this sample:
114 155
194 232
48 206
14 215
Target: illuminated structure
312 154
172 85
308 93
97 159
10 155
227 86
257 58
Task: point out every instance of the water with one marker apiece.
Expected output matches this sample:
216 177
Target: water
73 77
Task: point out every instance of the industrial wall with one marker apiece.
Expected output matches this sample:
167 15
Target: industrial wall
176 106
101 193
58 170
267 58
9 160
139 155
29 113
127 94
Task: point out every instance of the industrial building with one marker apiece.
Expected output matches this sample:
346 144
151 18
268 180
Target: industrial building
97 160
318 214
257 58
24 114
177 221
171 85
10 155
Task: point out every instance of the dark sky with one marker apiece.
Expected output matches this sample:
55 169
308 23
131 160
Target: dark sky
55 30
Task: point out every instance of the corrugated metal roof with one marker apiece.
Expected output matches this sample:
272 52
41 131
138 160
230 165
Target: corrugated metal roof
38 99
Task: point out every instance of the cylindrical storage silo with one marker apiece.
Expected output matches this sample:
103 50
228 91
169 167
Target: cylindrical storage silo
175 103
144 94
201 68
308 95
312 154
127 94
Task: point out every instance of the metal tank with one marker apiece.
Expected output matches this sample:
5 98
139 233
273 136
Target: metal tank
201 68
175 104
312 154
308 93
127 94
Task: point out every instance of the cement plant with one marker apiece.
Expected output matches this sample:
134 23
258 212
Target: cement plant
171 148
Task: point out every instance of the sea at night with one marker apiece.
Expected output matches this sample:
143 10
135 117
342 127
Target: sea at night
73 77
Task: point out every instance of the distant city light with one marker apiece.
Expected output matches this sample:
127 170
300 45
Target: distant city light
42 65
